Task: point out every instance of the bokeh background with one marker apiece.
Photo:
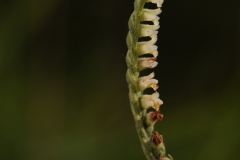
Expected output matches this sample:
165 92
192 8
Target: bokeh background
63 93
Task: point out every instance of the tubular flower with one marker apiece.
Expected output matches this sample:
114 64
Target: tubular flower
148 62
153 101
145 48
147 82
150 17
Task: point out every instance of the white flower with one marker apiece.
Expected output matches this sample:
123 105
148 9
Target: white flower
150 17
147 82
144 32
153 101
153 37
147 17
152 11
151 27
154 53
145 48
148 62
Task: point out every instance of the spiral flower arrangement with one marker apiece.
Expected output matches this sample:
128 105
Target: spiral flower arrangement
142 54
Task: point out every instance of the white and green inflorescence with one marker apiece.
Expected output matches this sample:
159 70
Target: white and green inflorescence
142 54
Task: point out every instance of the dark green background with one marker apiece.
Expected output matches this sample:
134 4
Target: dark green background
63 93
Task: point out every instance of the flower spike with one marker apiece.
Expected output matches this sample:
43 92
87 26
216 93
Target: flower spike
142 54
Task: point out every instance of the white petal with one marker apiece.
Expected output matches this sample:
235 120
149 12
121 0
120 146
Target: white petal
152 83
157 104
143 48
146 102
147 17
155 95
147 82
154 53
156 20
153 101
153 40
150 76
153 37
144 32
152 11
150 17
151 27
148 62
148 48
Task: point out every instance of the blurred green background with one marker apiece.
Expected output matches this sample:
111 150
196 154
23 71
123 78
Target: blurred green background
63 93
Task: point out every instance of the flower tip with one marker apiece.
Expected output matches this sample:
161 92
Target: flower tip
156 139
154 86
152 117
156 115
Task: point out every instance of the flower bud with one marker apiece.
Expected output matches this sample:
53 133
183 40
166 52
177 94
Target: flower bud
152 117
156 139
